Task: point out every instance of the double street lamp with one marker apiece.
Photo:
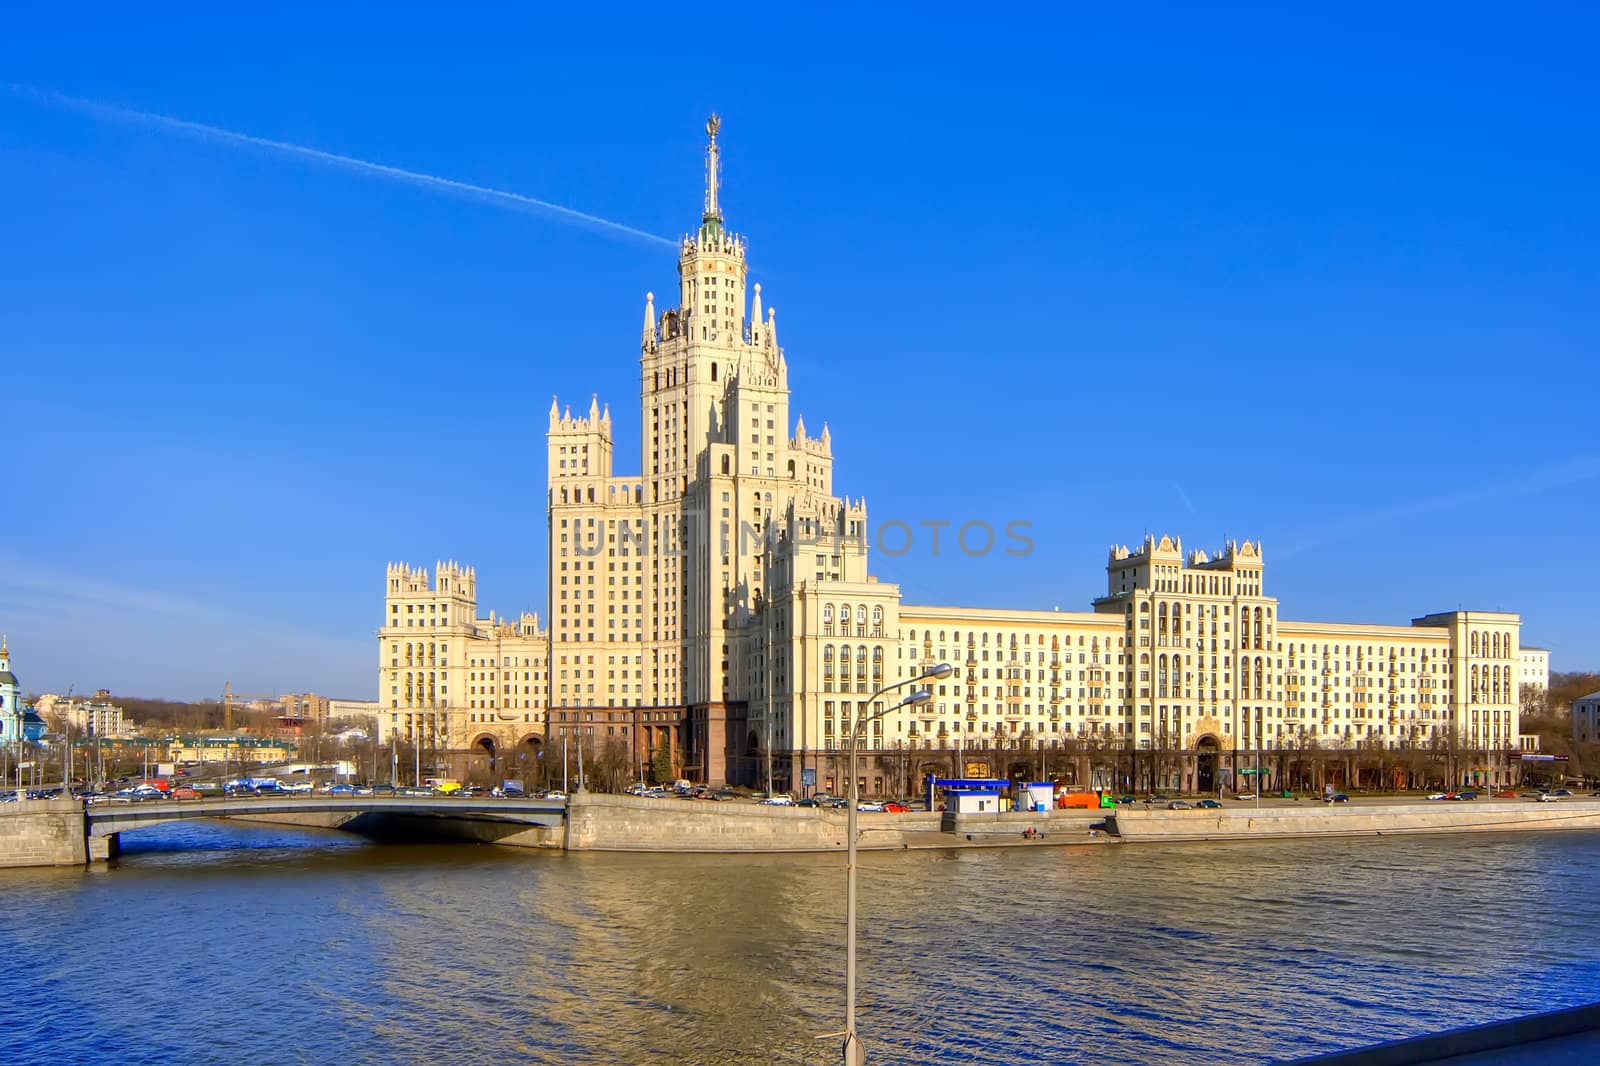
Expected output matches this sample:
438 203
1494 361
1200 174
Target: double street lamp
854 1053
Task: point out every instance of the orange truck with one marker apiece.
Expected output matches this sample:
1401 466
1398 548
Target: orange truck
1083 800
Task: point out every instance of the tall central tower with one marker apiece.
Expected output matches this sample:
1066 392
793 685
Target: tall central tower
648 574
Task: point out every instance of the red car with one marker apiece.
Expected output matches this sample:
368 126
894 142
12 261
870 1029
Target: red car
896 808
184 792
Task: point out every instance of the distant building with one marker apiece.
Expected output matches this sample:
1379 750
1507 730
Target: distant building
251 750
1535 672
348 710
97 717
306 707
1586 718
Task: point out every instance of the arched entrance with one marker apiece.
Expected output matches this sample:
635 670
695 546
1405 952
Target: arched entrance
481 768
526 762
1207 751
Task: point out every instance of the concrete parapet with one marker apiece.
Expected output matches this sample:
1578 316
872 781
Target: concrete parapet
1249 823
43 833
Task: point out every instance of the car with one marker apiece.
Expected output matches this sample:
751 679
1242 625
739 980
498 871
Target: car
1462 796
807 802
870 805
1340 797
1505 794
297 787
343 790
1438 795
1244 796
897 808
1562 793
207 788
1127 801
555 794
1179 805
1208 805
474 790
415 790
383 790
1547 797
184 792
778 800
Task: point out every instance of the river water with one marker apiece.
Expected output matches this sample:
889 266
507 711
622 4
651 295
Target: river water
209 943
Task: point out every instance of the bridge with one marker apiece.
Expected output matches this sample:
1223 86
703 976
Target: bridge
524 822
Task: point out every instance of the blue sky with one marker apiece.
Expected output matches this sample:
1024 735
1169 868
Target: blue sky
1325 279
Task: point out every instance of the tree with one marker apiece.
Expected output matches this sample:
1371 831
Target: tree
661 770
612 765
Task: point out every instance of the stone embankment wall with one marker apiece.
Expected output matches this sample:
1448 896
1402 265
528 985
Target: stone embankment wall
42 833
597 822
1248 823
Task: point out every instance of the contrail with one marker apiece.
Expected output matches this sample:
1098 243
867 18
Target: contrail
1572 472
200 130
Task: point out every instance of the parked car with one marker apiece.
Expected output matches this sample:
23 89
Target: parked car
1179 805
1209 805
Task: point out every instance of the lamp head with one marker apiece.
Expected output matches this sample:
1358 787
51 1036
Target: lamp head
920 696
941 671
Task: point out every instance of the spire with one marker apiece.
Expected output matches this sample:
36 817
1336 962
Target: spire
649 319
713 211
800 427
755 317
594 407
772 326
555 413
827 438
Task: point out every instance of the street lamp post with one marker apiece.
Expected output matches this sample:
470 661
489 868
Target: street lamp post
854 1053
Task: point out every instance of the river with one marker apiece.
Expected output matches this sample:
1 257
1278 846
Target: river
211 943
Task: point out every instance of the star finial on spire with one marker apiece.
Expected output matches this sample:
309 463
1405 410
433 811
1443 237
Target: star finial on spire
713 125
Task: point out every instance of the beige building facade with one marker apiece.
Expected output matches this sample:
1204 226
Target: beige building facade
468 691
716 609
